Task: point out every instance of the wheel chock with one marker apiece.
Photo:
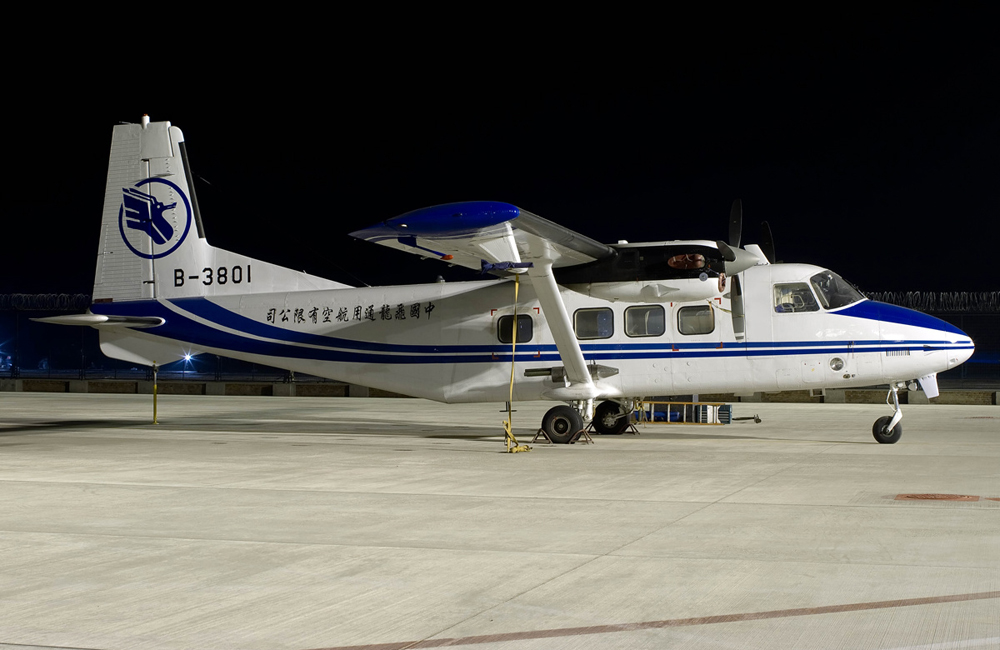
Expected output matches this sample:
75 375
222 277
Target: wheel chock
541 433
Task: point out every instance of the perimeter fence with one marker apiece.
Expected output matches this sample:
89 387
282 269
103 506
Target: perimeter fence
943 302
977 313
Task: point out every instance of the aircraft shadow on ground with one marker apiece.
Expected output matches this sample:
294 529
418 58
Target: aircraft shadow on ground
31 427
273 424
709 436
222 423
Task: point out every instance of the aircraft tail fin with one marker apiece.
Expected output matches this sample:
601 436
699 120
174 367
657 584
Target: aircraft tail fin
153 243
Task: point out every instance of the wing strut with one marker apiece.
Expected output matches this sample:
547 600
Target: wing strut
581 384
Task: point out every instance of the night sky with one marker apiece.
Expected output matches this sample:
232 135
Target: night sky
871 143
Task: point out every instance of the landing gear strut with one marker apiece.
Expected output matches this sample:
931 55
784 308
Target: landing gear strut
888 429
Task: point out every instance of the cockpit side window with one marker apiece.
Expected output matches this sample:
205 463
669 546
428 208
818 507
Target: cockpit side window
834 291
794 297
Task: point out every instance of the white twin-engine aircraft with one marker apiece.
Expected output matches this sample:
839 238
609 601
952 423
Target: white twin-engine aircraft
596 324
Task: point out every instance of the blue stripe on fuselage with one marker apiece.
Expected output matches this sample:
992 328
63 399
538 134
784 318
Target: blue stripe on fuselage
880 311
302 345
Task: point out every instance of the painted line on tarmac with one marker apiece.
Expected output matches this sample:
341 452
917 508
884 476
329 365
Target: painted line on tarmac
679 622
993 641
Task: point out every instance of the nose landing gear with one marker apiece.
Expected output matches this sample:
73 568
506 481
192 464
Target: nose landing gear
888 429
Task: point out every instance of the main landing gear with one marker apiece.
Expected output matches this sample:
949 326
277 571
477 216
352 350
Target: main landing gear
610 418
888 429
563 422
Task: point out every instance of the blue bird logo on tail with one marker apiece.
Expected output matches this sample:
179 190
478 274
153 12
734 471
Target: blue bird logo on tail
143 213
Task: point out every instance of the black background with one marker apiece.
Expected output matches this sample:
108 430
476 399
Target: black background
869 141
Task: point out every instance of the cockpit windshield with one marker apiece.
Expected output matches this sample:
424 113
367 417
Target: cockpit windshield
834 291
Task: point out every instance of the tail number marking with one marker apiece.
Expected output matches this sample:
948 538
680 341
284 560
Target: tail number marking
209 276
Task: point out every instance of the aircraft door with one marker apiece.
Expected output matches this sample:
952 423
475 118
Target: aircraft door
707 350
759 333
736 305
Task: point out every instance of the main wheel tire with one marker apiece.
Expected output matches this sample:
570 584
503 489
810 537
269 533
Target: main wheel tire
609 419
883 434
561 423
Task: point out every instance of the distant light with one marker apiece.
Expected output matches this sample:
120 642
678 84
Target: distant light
187 357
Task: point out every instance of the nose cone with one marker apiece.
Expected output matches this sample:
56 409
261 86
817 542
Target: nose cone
898 324
942 336
934 333
962 355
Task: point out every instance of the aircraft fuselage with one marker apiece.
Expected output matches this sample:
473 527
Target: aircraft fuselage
443 342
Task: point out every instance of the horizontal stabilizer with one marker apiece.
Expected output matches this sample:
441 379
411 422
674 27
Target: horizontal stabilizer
98 320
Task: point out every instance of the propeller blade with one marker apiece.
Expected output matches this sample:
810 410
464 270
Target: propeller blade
727 252
767 242
736 223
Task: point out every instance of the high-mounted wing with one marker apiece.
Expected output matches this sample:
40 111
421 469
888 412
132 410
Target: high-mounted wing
469 233
479 233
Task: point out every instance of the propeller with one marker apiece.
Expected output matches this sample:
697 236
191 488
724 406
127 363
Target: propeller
736 258
736 223
767 242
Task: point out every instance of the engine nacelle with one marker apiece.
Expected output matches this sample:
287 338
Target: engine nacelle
655 291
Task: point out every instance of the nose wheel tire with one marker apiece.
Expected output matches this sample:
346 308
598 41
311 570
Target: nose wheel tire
561 423
883 434
609 419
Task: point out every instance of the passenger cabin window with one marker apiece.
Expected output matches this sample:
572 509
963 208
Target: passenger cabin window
525 327
834 291
696 320
594 323
645 320
794 297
